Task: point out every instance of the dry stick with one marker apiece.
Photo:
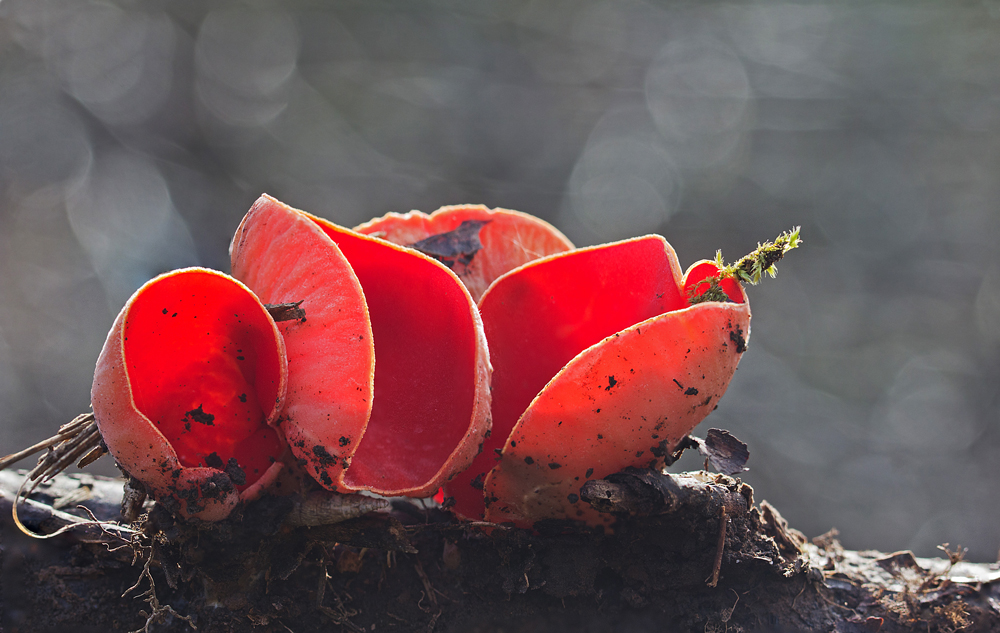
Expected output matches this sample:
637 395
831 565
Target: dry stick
92 456
72 521
59 458
326 508
71 429
719 548
13 458
646 492
77 439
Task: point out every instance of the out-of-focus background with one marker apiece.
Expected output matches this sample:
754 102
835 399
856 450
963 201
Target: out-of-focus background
134 135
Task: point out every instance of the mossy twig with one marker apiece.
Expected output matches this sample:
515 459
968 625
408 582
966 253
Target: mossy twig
749 268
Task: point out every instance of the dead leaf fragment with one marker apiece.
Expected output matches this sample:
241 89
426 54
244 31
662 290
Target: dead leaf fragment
457 246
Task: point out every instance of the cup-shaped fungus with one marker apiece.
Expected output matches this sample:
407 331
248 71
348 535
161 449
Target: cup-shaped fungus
285 257
429 386
192 374
506 239
600 362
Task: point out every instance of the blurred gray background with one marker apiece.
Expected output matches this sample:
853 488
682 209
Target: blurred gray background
135 135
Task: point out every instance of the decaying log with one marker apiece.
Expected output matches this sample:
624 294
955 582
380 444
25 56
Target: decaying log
644 492
412 567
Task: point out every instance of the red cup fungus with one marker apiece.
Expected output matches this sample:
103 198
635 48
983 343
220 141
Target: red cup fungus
600 362
286 257
428 389
192 374
508 239
605 357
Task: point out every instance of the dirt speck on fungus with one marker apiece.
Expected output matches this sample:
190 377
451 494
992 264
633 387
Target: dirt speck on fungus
198 415
236 474
325 458
736 336
212 460
216 486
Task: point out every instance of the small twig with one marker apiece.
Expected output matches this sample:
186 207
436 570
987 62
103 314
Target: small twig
71 521
92 456
13 458
646 492
719 548
75 439
326 508
83 423
457 527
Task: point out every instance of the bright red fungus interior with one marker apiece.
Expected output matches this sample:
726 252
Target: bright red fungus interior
425 346
541 316
204 367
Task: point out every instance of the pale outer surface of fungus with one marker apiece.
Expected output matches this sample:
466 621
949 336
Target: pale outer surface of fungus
625 401
284 256
509 240
142 450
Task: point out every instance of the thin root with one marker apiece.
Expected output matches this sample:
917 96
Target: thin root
719 549
159 611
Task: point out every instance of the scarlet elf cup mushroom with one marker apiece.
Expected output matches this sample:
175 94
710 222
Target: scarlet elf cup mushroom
415 416
600 362
504 239
606 357
190 377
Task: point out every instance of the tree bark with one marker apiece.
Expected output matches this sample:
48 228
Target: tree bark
415 568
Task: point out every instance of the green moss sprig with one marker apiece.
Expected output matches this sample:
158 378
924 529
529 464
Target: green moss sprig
749 268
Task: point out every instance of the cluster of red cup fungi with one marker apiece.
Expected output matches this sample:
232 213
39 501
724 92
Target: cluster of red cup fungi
507 375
